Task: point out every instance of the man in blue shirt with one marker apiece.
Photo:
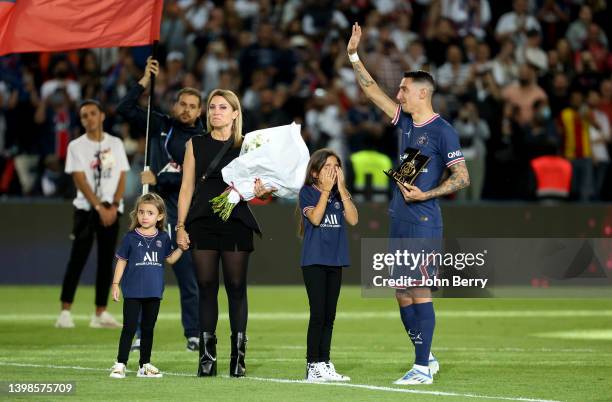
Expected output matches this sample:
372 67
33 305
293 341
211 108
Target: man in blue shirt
414 209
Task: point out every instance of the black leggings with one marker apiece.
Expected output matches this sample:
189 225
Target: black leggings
131 312
235 264
323 288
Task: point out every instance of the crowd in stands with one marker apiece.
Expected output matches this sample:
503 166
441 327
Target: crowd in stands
518 79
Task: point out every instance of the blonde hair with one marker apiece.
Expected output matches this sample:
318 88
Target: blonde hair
157 202
232 99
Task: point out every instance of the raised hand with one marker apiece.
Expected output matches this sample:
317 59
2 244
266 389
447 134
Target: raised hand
353 43
340 177
327 179
151 68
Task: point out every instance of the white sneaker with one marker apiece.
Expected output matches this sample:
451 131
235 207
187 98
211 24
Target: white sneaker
104 320
332 375
149 371
434 366
118 370
415 377
64 320
315 372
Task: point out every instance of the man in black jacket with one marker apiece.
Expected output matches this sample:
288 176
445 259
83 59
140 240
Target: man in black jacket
168 135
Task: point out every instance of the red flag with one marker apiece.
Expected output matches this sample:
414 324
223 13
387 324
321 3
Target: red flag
43 25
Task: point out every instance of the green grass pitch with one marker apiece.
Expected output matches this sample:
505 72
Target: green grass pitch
489 349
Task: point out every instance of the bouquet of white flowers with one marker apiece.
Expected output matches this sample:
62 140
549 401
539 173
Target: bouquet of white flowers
277 156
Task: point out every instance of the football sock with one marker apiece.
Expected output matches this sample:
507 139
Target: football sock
422 339
410 321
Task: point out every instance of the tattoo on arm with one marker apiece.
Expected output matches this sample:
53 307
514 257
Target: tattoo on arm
364 78
458 179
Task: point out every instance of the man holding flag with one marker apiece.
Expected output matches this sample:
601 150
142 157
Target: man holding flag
167 137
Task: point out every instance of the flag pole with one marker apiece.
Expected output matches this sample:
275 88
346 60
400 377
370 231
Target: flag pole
145 187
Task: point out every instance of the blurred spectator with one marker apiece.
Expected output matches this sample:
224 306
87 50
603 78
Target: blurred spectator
319 18
597 48
453 76
415 58
553 17
213 63
439 38
261 55
531 52
575 123
558 93
599 130
505 68
473 132
387 64
61 80
542 133
605 104
363 124
524 94
515 24
57 116
401 33
469 16
587 74
173 30
324 124
89 76
578 31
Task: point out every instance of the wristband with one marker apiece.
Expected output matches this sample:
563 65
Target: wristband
179 226
346 198
115 283
353 57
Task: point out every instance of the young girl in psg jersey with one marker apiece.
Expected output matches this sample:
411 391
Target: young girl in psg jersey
325 206
140 272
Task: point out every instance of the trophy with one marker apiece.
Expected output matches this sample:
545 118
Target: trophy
412 164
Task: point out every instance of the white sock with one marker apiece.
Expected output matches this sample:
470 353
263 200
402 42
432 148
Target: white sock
431 357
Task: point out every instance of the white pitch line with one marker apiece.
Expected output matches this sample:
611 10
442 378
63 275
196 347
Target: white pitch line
355 315
288 381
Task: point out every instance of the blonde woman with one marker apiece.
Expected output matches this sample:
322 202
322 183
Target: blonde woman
211 239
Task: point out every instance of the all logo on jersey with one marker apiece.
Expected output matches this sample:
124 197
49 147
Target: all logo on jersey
330 221
150 257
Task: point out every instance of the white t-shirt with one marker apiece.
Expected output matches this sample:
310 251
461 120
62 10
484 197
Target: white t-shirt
83 157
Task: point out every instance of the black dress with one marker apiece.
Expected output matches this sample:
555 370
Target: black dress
206 229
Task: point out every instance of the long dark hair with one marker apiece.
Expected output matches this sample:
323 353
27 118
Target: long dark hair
315 164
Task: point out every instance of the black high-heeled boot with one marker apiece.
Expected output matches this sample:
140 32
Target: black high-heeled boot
237 365
207 366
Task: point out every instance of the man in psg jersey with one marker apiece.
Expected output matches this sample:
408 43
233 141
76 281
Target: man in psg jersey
414 209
